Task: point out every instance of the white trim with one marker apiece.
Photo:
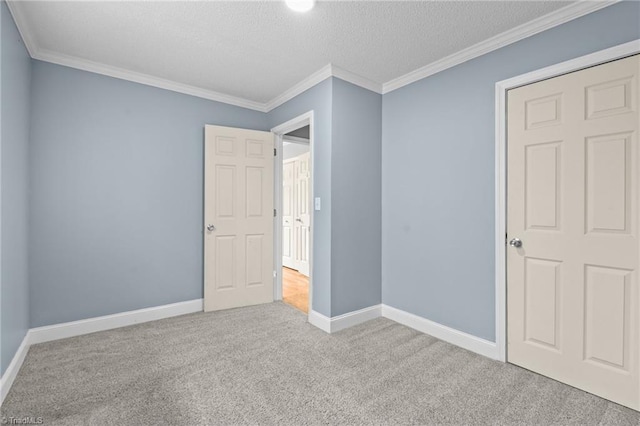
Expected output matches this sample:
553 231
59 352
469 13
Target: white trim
320 321
593 59
501 228
322 74
21 23
306 84
450 335
293 124
279 132
356 79
277 220
543 23
146 79
344 321
559 17
123 74
12 370
108 322
350 319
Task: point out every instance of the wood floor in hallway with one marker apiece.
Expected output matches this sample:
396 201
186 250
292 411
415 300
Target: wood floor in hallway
295 289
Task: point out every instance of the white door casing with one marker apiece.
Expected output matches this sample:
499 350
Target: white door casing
288 213
303 215
238 217
280 131
573 301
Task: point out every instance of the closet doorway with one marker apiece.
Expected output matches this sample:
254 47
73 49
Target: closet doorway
296 218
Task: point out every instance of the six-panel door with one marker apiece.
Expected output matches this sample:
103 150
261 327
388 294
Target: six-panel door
238 246
572 292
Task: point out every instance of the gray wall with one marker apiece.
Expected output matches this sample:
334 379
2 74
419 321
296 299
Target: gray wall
14 138
302 132
355 198
438 173
116 193
318 99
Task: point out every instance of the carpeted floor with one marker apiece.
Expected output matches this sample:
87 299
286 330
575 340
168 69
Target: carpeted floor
266 365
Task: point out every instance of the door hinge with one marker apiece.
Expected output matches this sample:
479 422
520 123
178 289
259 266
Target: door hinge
275 212
274 151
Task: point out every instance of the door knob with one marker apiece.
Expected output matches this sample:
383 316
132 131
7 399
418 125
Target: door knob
210 228
298 220
515 242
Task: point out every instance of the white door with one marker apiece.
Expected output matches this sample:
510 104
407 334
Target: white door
572 294
288 213
303 215
238 218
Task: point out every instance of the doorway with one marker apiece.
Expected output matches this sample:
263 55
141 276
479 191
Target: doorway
295 218
294 212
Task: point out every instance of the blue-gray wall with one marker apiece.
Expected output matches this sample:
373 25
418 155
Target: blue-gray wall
318 100
347 178
116 171
15 76
438 173
356 202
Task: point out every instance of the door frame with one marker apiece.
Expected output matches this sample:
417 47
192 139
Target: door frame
582 62
279 132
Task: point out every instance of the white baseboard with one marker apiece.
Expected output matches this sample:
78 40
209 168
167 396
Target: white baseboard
12 370
442 332
320 321
340 322
354 318
108 322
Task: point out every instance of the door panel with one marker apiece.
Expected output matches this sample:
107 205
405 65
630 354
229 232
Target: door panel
607 308
238 192
542 302
573 303
608 183
542 188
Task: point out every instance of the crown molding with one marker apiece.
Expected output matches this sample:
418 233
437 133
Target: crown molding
553 19
123 74
306 84
22 26
561 16
322 74
146 79
356 79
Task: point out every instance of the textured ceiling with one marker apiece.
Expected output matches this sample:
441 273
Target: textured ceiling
256 50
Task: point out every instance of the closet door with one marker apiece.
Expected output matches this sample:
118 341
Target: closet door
572 268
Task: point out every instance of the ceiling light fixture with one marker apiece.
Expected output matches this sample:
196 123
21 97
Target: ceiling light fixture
301 5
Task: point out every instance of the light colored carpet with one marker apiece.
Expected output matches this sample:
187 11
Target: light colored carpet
266 365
